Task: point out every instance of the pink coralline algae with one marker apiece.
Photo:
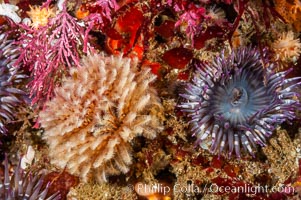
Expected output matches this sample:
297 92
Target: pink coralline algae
192 20
48 52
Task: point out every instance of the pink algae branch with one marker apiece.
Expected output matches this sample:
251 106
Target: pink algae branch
48 52
193 18
100 19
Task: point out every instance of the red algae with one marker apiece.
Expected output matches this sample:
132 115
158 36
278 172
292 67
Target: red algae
178 58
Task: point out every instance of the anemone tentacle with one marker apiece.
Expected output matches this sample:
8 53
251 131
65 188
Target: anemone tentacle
25 186
11 82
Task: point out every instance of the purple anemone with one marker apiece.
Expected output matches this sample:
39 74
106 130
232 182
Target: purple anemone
11 80
21 185
236 101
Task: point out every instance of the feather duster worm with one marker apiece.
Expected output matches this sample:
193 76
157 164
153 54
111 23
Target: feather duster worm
22 185
238 102
11 78
96 113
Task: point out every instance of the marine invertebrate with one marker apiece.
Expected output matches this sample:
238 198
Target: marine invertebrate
96 113
11 78
10 11
39 16
21 185
215 13
287 47
238 101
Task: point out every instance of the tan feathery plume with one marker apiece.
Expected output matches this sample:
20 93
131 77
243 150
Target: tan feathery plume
94 116
287 47
40 16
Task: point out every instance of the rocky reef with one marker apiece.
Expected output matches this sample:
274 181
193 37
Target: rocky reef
150 99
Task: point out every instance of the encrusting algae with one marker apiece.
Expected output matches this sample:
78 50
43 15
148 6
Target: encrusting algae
93 191
290 11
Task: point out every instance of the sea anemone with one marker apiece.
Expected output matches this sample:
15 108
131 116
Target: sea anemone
21 185
215 13
10 11
96 113
40 16
287 47
238 101
11 79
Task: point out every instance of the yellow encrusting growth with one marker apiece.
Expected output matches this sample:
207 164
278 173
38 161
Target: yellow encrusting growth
290 11
39 16
94 116
287 48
